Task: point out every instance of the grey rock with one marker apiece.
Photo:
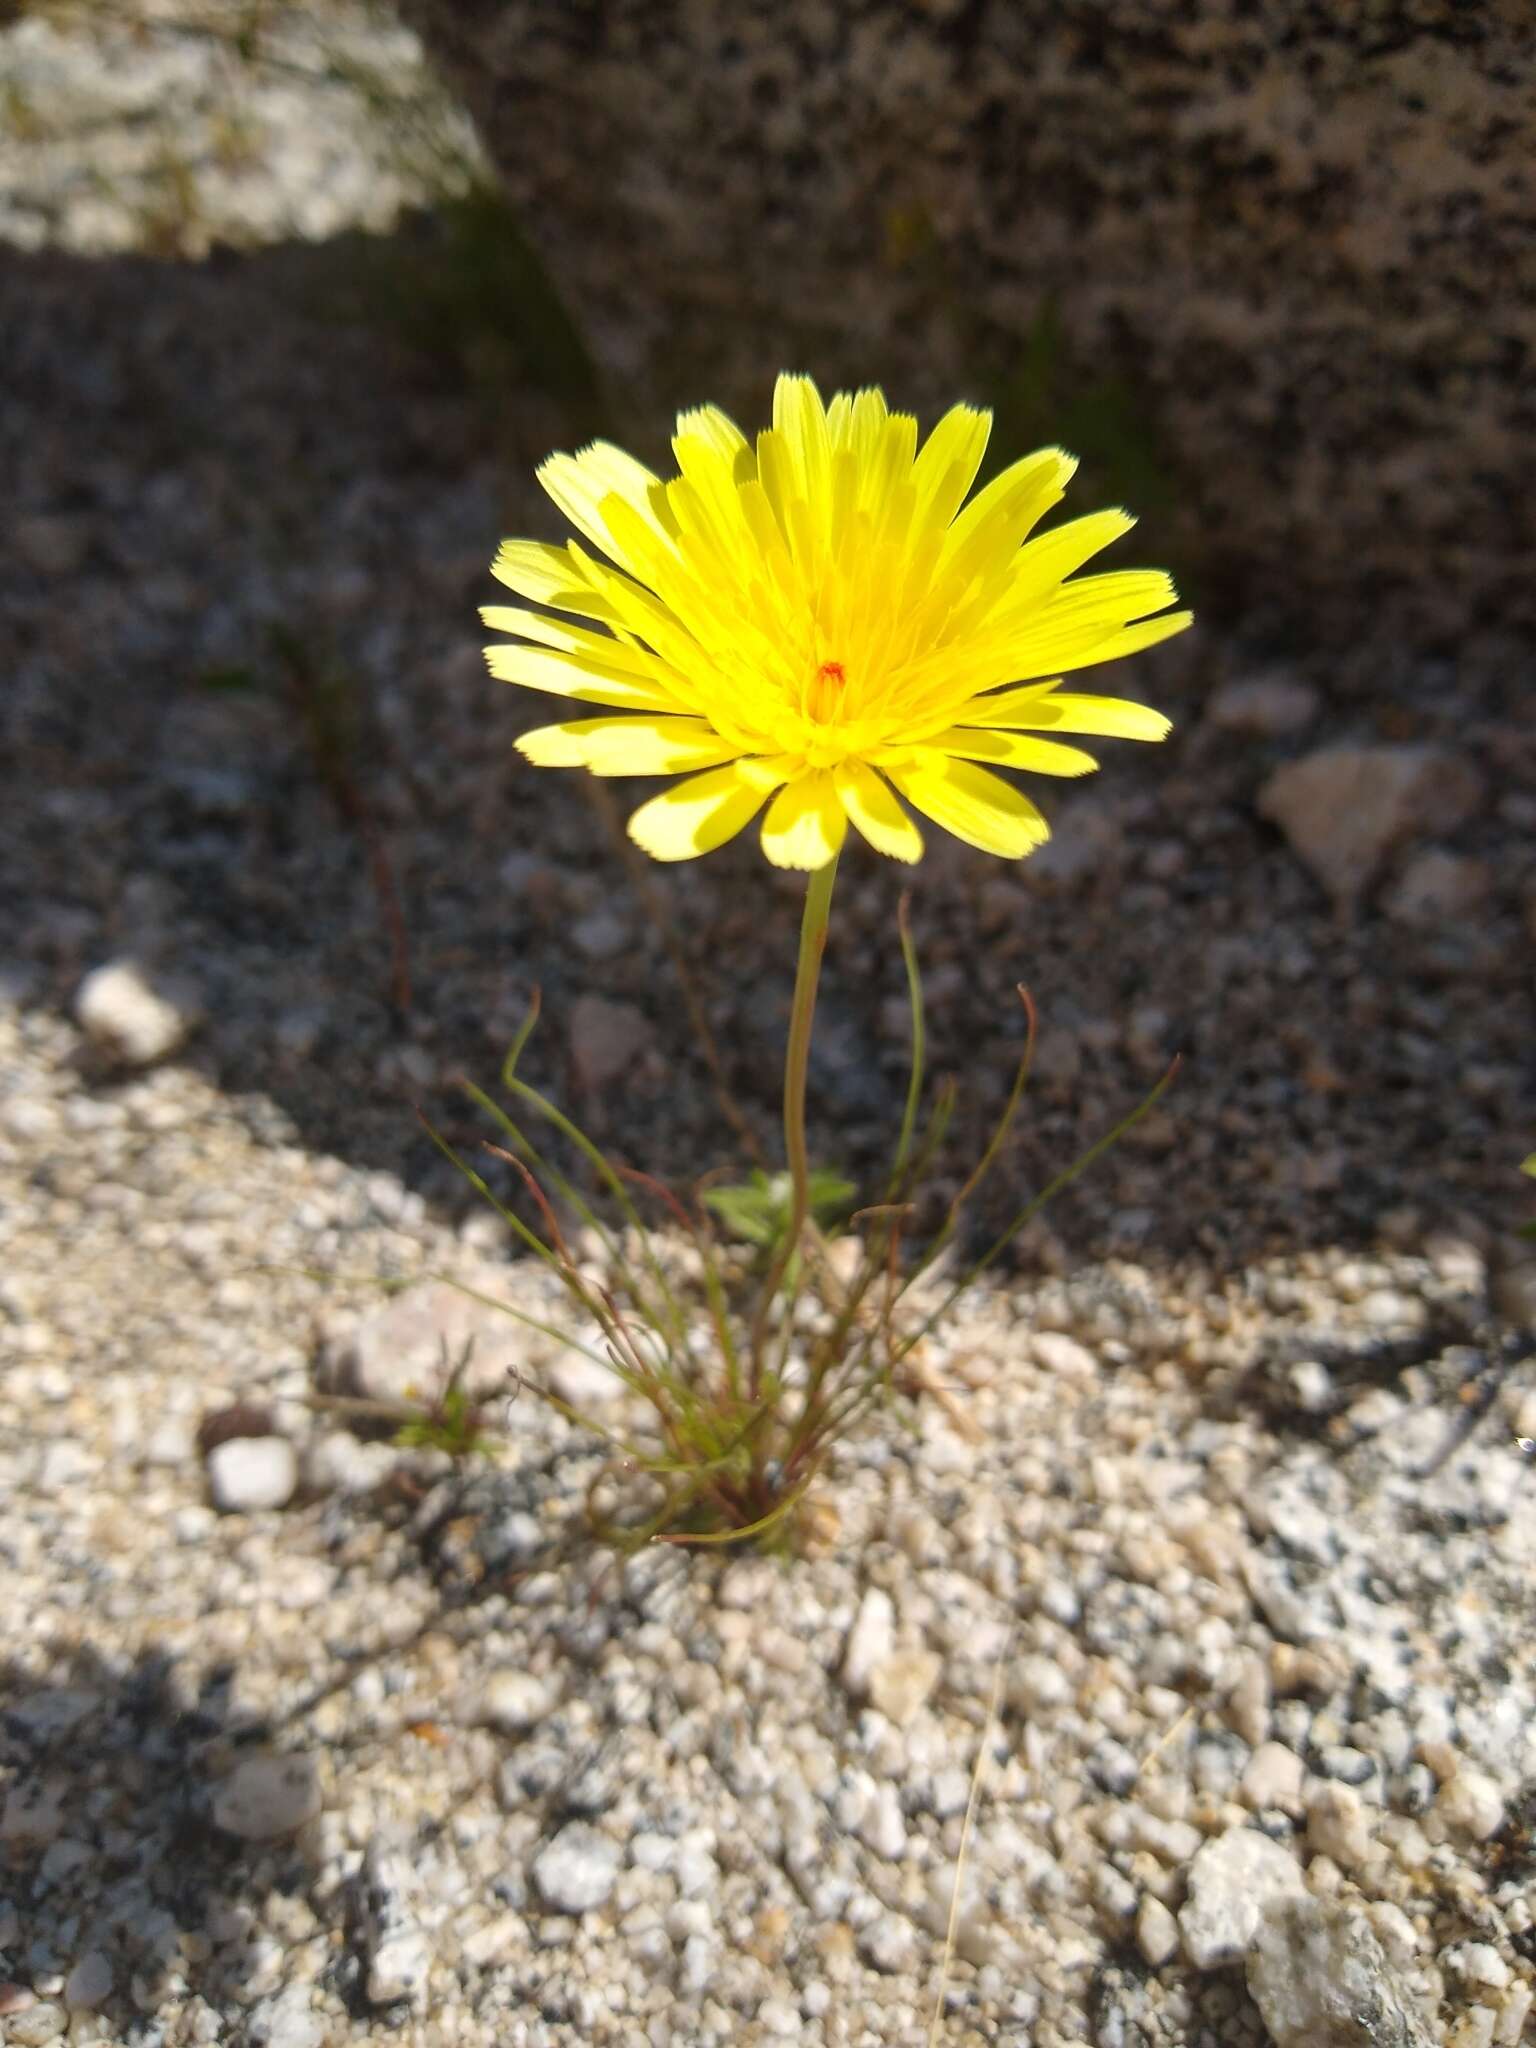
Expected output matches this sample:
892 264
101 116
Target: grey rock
576 1871
249 1474
929 174
1345 808
266 1796
129 1019
1321 1979
1229 1882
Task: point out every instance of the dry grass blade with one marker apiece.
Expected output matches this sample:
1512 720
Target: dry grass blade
978 1774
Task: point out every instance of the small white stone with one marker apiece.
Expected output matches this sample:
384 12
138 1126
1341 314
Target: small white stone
266 1796
870 1641
576 1871
1272 1778
1064 1356
1338 1824
125 1017
1230 1880
899 1685
513 1702
1513 2014
89 1982
1157 1932
248 1474
888 1943
1478 1963
1471 1803
882 1827
1037 1684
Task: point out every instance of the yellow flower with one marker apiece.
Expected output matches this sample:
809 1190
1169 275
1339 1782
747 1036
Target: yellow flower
816 620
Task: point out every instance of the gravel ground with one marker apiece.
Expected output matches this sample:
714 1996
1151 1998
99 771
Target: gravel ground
303 1740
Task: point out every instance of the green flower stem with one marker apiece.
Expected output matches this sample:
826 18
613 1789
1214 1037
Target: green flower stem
813 943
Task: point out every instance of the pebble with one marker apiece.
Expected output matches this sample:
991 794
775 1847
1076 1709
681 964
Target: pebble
871 1641
89 1983
888 1943
1273 1778
1063 1355
33 1810
607 1041
1230 1880
1157 1932
1471 1803
900 1685
39 2023
404 1350
396 1955
882 1827
576 1871
127 1018
1478 1963
1269 707
266 1796
249 1474
512 1702
1338 1824
1437 888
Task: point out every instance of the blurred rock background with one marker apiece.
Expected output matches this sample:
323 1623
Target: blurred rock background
1278 260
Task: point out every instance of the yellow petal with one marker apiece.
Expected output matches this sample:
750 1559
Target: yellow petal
581 484
1020 708
872 806
800 420
1052 557
627 746
547 575
997 518
974 804
698 815
620 656
708 424
1113 717
1013 750
563 675
946 468
806 824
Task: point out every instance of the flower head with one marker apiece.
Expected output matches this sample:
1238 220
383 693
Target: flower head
823 624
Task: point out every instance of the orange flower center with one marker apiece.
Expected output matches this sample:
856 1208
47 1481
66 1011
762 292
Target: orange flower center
824 698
